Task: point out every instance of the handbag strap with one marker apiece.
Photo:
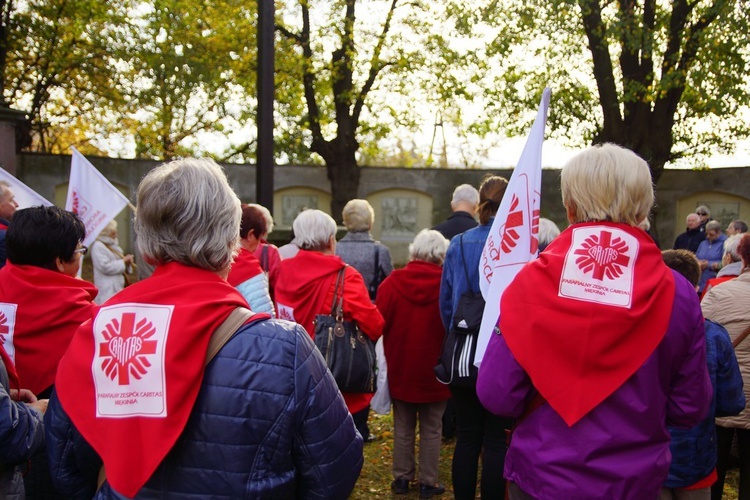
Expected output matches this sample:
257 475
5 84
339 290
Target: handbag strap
463 260
337 307
741 337
219 337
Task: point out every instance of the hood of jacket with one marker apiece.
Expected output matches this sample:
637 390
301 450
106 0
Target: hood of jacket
418 282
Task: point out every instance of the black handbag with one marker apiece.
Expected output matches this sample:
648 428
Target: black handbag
348 353
456 364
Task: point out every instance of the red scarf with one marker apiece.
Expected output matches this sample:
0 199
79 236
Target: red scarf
244 267
585 315
303 286
131 376
40 310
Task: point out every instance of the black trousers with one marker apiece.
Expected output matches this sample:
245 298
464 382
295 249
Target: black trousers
725 435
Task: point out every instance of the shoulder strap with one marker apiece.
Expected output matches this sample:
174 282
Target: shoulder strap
741 337
226 330
264 257
463 259
337 307
118 254
376 271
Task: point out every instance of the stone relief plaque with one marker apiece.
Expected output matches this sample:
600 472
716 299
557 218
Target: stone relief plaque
291 205
399 218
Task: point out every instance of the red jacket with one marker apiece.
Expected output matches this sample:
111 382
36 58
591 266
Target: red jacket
305 289
413 333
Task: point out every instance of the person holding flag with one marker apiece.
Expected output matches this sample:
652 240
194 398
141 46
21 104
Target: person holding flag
600 345
8 207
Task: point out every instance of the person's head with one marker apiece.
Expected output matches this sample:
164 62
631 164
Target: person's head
730 249
46 237
703 212
429 246
315 230
736 227
684 262
110 229
253 222
188 213
465 198
693 220
607 183
548 231
358 216
267 216
744 250
8 203
713 230
491 192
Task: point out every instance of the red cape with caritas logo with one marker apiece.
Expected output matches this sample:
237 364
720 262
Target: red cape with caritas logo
585 315
132 374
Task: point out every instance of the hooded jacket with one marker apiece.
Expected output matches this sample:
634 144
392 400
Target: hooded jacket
413 332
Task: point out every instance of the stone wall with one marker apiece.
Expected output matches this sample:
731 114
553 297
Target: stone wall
405 200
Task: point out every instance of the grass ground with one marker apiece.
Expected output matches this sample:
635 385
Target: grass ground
375 479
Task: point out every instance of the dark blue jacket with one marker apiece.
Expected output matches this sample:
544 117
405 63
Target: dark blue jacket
269 422
694 450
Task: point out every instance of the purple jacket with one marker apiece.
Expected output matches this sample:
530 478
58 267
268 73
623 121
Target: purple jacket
621 448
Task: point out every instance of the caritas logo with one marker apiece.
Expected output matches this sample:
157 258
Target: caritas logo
599 266
80 205
128 367
127 347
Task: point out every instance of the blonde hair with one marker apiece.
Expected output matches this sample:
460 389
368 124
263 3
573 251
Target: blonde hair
358 216
607 183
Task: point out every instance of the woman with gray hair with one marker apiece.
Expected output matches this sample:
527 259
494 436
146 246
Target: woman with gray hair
148 393
111 265
601 345
360 250
412 338
306 288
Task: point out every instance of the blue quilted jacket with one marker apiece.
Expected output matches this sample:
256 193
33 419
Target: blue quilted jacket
269 422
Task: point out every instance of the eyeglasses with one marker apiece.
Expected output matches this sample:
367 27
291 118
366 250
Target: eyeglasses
701 213
81 250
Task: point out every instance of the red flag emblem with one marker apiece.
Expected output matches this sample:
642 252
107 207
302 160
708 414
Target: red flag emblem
126 348
602 256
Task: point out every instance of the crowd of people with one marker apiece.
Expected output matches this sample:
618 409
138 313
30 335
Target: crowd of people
615 370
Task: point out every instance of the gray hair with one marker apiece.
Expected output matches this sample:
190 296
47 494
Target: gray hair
703 208
188 213
313 230
266 215
730 247
713 225
358 216
607 183
465 192
428 245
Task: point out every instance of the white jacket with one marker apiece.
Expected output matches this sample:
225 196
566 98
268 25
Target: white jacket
108 268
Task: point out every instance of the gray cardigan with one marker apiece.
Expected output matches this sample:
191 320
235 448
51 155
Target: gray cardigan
358 250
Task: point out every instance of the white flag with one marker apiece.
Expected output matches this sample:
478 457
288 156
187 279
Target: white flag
92 197
24 195
513 238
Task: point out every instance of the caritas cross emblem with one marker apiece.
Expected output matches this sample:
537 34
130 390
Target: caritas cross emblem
602 256
126 347
4 328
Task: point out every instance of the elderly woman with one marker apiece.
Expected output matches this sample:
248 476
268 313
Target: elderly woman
139 393
110 263
246 274
600 346
412 338
306 288
729 305
358 249
710 252
731 263
478 431
43 301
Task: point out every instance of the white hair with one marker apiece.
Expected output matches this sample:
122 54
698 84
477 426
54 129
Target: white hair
428 245
358 216
467 193
548 231
313 229
730 247
188 213
607 183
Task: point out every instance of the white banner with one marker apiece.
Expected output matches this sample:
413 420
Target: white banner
513 239
24 195
92 197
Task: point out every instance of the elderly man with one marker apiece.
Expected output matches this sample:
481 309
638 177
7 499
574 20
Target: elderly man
464 206
736 227
692 237
8 207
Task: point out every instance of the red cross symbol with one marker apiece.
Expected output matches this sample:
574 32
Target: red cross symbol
125 351
4 328
603 255
514 220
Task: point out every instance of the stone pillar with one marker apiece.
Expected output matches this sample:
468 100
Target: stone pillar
9 118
